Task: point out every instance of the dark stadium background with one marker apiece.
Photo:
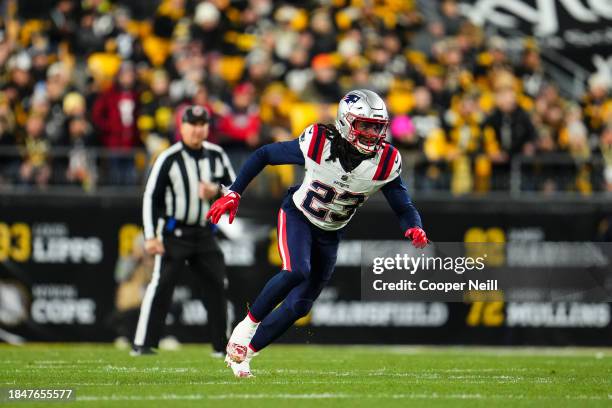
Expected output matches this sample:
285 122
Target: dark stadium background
68 233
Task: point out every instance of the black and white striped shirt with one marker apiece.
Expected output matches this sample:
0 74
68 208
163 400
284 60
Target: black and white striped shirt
172 187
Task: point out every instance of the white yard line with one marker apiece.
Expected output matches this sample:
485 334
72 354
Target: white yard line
412 396
501 351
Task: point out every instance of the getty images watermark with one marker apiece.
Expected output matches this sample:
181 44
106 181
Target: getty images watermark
457 272
412 264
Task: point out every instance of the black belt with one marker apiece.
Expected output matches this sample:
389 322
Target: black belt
180 229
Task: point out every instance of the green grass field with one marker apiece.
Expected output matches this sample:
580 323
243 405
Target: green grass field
355 376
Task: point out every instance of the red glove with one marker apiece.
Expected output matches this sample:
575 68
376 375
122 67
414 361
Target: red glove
228 203
418 237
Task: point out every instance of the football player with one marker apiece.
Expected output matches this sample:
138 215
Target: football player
345 164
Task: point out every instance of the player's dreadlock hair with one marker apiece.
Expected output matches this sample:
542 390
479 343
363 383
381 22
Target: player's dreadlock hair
342 150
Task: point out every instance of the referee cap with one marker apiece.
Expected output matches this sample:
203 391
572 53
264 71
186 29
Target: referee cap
195 114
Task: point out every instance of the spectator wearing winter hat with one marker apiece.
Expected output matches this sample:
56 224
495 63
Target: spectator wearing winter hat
36 164
88 40
19 87
451 16
324 86
531 70
114 111
209 26
403 132
424 134
63 22
155 118
323 31
239 129
114 115
57 86
510 125
594 100
259 67
81 166
512 131
427 36
40 61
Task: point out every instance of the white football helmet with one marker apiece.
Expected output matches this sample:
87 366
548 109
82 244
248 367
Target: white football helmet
363 120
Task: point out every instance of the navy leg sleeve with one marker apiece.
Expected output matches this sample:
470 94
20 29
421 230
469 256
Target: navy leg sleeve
273 293
300 299
294 245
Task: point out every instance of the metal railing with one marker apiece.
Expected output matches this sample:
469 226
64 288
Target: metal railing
550 173
122 171
73 168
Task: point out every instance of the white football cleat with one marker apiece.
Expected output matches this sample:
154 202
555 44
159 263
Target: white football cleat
236 352
237 347
240 370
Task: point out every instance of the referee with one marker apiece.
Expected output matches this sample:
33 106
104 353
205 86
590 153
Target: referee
185 178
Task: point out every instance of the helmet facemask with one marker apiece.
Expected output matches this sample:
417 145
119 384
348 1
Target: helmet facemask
362 120
366 134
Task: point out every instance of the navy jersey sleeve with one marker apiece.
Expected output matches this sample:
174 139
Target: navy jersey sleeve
274 154
397 195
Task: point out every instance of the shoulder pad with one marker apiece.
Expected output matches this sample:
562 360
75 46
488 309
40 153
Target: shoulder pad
312 141
390 162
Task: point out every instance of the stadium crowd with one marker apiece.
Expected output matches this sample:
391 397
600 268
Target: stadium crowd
93 75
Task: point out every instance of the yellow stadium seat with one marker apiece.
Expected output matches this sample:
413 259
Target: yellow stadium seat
606 111
145 122
416 58
300 20
103 66
231 68
246 42
487 101
28 29
302 115
435 146
526 102
157 49
169 8
400 102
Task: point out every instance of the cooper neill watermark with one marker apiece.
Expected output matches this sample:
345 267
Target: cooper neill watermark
458 272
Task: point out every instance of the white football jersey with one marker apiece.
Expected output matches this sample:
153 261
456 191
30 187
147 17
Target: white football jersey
328 195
